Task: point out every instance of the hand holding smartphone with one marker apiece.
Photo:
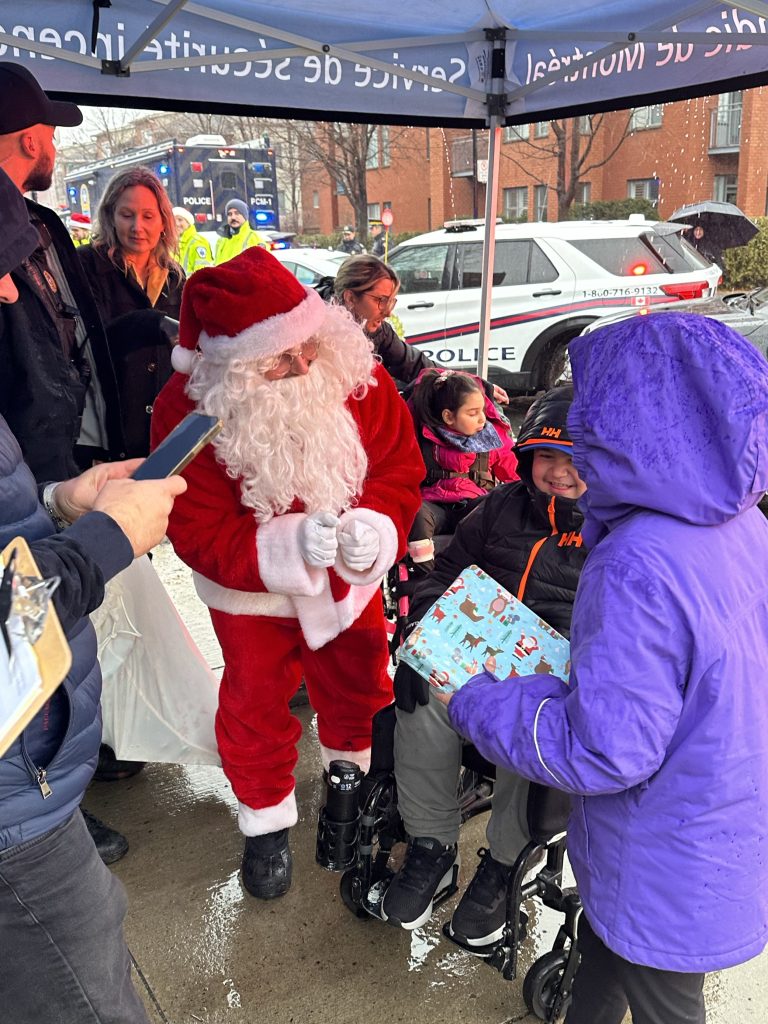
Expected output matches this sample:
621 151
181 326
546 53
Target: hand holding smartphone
180 447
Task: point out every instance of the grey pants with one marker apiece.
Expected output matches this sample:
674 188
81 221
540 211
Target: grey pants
64 958
427 766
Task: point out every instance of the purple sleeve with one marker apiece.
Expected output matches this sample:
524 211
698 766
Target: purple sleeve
611 728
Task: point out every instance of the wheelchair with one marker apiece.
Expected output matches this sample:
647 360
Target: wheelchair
360 847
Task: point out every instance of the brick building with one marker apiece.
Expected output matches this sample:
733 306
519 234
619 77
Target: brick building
713 147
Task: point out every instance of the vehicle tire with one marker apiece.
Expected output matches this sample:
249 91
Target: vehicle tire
542 982
554 364
345 891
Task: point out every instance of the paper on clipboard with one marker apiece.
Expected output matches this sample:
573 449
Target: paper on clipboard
33 671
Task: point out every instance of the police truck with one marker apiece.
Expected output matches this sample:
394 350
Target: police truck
202 175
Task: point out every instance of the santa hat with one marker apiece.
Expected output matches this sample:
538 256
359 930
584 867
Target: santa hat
79 220
248 308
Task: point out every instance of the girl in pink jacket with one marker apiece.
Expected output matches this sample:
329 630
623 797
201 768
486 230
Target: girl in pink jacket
467 449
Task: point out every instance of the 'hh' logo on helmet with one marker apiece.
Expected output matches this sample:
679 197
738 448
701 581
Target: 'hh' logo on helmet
551 432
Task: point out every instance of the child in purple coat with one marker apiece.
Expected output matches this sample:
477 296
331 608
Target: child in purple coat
661 735
467 449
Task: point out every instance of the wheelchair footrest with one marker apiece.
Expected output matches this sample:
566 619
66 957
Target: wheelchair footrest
336 842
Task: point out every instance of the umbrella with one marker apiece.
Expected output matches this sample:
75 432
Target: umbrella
725 226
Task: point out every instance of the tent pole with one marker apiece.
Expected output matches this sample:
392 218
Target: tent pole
496 100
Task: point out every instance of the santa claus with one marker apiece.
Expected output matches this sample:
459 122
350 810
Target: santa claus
290 520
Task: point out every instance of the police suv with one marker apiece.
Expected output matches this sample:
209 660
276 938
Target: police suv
550 281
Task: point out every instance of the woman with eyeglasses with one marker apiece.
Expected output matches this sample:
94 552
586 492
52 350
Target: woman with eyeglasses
368 288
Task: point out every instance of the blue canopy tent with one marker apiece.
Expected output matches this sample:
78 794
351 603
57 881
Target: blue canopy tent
472 63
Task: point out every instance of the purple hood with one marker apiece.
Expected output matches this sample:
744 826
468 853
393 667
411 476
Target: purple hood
682 366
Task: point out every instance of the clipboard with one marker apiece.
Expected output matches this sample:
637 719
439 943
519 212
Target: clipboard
51 654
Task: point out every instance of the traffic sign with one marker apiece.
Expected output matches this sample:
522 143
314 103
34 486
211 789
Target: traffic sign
387 217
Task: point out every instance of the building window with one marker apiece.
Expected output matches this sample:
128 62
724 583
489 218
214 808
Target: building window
374 211
726 187
372 160
541 129
515 203
584 192
426 143
315 200
643 188
385 157
517 132
585 124
725 131
540 199
646 117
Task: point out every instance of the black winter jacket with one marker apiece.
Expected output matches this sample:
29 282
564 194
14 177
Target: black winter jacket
42 393
402 361
140 350
527 541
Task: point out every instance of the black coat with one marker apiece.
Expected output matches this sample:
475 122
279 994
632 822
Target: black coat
402 361
141 351
42 393
499 536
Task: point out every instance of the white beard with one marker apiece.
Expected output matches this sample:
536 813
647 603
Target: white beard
292 439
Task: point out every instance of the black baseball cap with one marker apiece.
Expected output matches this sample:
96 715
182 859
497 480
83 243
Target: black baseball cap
25 103
19 238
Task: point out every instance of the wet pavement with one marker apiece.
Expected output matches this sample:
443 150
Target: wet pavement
207 952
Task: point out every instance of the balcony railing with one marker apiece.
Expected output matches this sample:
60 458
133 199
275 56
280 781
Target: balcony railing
725 130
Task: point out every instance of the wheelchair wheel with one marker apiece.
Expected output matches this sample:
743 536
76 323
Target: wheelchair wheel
542 982
346 891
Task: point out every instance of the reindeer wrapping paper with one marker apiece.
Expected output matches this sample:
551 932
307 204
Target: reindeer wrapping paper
478 626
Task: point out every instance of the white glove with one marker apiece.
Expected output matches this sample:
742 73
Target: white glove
317 539
359 545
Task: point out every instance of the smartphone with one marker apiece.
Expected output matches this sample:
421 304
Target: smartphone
180 447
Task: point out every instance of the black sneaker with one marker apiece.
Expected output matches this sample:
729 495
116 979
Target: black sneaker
110 844
480 917
267 865
429 869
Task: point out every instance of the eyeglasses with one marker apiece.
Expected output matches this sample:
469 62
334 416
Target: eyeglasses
384 302
282 365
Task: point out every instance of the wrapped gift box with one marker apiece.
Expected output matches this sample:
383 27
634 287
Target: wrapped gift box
479 626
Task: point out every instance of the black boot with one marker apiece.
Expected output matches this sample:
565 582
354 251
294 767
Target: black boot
110 845
110 769
267 865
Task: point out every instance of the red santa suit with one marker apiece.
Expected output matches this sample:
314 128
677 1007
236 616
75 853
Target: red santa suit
276 617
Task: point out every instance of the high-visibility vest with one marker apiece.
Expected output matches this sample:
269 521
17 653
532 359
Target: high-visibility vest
243 239
194 251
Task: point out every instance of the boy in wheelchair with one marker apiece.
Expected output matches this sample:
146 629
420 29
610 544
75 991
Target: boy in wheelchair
527 536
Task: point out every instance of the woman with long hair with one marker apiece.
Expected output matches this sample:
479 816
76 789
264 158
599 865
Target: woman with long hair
368 287
137 285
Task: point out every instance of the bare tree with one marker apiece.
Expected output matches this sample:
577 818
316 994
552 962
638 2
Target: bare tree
572 148
342 150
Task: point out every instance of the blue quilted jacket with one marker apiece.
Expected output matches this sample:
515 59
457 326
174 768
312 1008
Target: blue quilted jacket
86 555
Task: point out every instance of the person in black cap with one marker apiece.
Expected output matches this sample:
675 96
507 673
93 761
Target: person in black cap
61 910
378 246
59 388
348 241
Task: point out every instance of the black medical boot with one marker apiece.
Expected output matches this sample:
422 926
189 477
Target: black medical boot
267 865
110 844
